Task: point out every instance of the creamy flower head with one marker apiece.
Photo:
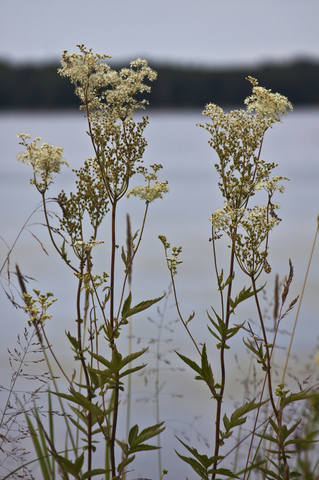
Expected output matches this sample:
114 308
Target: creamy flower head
223 219
87 245
45 160
99 86
266 103
272 185
149 192
259 221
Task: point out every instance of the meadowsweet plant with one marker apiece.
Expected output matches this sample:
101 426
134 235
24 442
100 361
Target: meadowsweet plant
277 444
103 303
248 186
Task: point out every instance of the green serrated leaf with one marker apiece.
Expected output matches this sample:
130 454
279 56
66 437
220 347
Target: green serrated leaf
150 432
129 371
79 399
132 356
244 409
225 472
73 468
124 463
196 466
143 447
78 426
207 373
142 306
123 257
190 363
243 295
226 422
74 342
133 435
203 459
295 397
126 305
102 360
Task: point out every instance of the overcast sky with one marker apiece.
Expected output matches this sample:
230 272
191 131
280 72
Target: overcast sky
211 32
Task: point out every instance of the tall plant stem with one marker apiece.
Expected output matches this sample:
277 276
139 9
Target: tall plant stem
85 370
217 273
132 258
222 359
50 233
181 316
267 378
112 280
268 351
113 325
157 379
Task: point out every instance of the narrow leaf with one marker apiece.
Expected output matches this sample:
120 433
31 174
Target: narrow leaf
142 306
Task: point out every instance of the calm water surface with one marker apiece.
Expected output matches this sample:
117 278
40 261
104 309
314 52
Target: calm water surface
182 216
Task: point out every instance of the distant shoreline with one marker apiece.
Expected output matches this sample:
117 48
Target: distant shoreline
34 86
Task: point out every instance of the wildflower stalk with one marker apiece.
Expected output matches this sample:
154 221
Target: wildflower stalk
267 365
113 328
83 363
46 216
131 258
181 316
220 397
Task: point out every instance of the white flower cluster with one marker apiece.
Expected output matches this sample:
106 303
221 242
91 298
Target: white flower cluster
97 83
45 160
149 192
265 103
223 219
87 245
272 185
259 221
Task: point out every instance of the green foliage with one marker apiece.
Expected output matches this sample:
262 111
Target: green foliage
201 464
238 417
128 311
221 332
136 443
204 370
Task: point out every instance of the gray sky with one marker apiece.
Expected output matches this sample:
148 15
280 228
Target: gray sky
214 32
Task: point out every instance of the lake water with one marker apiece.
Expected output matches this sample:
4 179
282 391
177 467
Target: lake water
182 216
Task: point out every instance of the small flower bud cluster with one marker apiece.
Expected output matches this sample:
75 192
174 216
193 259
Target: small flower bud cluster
281 392
37 307
172 260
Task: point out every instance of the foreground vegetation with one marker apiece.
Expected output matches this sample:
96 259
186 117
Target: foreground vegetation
281 424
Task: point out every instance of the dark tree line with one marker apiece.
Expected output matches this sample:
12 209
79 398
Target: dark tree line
39 86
